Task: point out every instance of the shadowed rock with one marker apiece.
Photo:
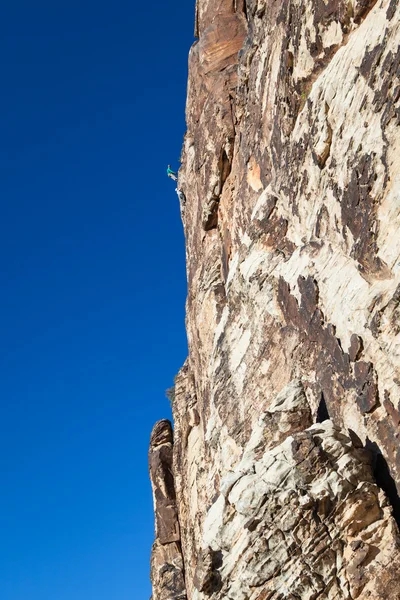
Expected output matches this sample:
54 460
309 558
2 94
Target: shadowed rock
167 569
162 481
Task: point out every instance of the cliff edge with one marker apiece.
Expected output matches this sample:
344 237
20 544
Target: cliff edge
281 479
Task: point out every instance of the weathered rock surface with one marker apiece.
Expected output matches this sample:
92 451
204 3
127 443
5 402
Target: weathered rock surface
291 176
167 569
303 520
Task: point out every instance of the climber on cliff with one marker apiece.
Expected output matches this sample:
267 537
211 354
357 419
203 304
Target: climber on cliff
172 173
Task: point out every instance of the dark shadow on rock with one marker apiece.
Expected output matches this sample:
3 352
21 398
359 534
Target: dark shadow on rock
215 584
207 578
384 479
355 440
322 412
217 559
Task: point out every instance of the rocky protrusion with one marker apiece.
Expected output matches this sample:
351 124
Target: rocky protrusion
167 572
167 569
304 520
162 481
207 578
287 414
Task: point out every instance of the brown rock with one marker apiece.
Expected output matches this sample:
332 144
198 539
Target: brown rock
167 572
162 481
167 568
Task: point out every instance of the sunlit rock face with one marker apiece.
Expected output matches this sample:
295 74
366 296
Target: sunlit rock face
286 454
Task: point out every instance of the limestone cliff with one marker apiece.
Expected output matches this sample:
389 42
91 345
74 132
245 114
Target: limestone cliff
283 477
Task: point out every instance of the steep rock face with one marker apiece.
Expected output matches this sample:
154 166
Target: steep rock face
291 175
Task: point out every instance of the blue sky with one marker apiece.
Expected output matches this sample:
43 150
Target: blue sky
93 286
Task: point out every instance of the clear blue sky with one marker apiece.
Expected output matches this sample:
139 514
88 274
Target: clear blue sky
92 286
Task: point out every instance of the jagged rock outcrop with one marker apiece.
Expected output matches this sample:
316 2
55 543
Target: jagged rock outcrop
302 520
291 178
167 570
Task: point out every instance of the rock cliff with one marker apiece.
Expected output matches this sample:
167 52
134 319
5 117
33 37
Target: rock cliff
281 479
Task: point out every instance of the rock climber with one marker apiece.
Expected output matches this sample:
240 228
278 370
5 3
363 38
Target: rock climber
172 173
